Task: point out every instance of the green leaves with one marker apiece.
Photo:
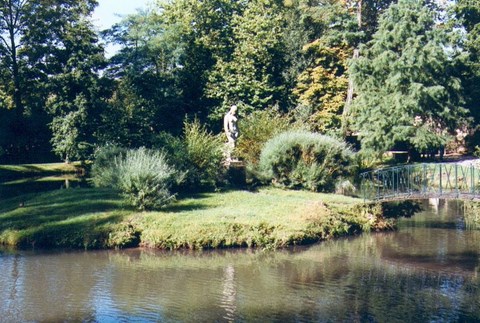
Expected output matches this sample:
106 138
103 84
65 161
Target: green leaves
406 89
49 57
186 58
69 140
252 74
468 17
143 176
298 159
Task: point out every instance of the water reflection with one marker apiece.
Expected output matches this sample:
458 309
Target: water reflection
229 293
421 273
21 186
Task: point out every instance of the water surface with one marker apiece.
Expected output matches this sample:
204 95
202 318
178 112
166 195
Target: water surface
21 186
427 271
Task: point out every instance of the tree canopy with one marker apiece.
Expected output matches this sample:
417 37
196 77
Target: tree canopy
407 86
416 79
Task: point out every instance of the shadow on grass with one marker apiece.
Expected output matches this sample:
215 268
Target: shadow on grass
63 218
188 202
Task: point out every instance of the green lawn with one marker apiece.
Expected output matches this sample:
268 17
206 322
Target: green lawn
98 218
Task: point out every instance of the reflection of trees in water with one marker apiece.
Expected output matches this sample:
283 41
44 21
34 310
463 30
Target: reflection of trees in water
472 215
377 277
394 293
347 279
51 287
11 285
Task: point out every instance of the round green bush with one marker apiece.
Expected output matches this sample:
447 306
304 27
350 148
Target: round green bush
300 159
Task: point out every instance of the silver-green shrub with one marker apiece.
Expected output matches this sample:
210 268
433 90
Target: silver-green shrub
143 176
300 159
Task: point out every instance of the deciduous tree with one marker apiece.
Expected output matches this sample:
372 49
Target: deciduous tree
253 72
50 54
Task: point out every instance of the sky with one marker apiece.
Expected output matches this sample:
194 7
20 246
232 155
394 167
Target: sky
109 12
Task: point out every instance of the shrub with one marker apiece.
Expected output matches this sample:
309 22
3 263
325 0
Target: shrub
299 159
174 148
104 173
256 129
198 153
143 176
476 151
204 154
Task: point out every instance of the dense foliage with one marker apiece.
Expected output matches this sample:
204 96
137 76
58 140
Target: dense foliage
103 172
337 67
143 176
297 159
406 73
198 153
49 85
257 129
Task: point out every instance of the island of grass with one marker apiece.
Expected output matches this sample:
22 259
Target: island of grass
99 218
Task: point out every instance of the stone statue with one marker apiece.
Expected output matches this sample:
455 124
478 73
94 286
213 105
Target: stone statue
231 130
230 125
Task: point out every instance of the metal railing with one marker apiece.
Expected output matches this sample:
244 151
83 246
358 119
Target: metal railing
441 180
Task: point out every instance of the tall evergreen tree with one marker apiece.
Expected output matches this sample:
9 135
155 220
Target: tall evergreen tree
468 14
407 90
371 10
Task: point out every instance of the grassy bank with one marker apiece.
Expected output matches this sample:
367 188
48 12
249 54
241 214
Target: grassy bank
94 218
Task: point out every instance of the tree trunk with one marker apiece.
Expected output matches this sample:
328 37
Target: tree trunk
351 85
11 19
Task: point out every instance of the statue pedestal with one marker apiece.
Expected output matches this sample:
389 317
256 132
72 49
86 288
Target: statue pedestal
236 173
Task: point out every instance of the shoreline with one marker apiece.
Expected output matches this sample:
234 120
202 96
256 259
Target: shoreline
89 218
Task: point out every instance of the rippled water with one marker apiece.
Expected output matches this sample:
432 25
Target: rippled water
427 271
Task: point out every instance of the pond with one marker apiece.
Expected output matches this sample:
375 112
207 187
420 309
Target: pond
16 187
429 270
